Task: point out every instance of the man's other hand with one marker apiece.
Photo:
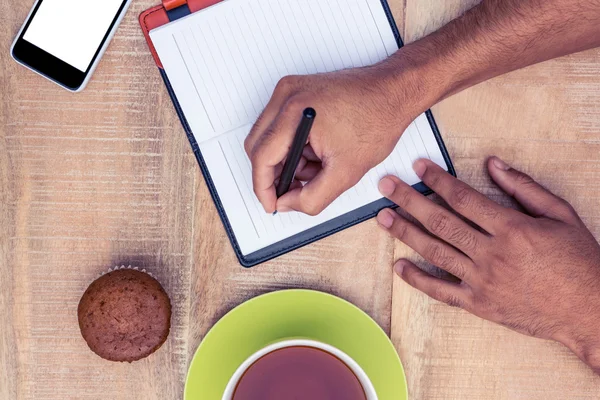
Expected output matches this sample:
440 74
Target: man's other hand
536 272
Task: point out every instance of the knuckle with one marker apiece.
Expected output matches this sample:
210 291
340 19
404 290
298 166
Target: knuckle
262 157
464 239
248 145
432 178
402 197
438 255
258 122
259 152
286 83
311 208
514 226
400 228
516 231
488 211
523 179
435 253
567 206
453 266
454 301
254 157
442 295
268 135
461 198
438 223
256 149
293 106
568 209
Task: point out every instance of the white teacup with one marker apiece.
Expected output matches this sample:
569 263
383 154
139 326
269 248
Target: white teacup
346 359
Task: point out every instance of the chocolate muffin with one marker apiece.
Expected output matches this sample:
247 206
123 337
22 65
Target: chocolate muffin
124 315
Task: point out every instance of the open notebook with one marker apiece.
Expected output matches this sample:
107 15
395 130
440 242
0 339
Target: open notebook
222 64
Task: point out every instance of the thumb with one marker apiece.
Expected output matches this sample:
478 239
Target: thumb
318 193
535 199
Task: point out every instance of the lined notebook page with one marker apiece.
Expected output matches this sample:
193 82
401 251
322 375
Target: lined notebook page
223 64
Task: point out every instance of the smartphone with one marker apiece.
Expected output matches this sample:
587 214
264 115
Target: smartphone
63 40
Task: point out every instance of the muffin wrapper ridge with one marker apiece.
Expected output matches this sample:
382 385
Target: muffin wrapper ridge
127 267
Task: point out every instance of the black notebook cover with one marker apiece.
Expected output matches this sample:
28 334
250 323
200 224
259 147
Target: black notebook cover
321 231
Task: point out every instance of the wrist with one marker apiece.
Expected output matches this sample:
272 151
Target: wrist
418 65
589 353
418 76
410 82
584 342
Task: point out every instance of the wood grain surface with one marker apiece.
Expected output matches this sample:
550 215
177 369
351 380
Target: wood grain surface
106 177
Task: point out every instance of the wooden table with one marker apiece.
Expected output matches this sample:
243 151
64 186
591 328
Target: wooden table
106 177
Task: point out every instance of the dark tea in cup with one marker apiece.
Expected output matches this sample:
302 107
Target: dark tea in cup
299 372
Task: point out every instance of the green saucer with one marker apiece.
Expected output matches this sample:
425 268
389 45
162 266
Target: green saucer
294 314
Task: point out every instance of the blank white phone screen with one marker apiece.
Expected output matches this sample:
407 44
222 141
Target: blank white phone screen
72 30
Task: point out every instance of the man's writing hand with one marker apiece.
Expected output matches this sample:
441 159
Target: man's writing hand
537 273
358 124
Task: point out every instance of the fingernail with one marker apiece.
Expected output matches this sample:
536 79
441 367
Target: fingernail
498 163
420 167
387 187
284 209
399 267
385 218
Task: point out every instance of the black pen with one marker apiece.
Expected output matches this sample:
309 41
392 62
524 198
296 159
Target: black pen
295 154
